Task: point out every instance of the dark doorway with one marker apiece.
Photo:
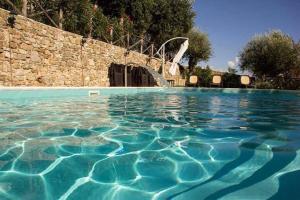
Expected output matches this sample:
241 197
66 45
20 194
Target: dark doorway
136 76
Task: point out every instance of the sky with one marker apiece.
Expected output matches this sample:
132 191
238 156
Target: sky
230 24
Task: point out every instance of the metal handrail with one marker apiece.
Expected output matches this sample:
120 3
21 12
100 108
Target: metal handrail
120 38
134 44
146 49
162 46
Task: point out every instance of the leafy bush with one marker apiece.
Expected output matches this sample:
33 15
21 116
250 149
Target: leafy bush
204 76
231 80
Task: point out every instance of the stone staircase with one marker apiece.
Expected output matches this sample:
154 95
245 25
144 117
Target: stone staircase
157 76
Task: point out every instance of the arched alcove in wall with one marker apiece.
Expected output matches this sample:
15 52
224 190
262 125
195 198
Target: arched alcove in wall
137 76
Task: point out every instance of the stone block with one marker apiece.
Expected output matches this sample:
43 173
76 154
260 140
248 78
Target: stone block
35 57
20 57
25 47
22 51
6 54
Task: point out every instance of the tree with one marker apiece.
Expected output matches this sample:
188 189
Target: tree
47 11
24 7
170 18
199 48
78 15
204 75
113 8
140 12
270 55
100 24
154 20
230 78
12 5
231 70
297 47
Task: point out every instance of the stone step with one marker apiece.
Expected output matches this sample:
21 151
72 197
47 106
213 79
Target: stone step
157 77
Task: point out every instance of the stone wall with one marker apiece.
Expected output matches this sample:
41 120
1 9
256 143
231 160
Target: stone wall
34 54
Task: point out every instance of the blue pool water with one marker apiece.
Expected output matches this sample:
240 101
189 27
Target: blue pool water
149 144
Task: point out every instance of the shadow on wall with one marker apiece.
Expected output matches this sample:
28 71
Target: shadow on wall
136 76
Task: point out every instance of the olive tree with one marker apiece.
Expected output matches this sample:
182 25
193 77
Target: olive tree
270 55
297 46
199 48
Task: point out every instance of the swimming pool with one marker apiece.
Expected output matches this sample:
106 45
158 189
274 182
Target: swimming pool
149 144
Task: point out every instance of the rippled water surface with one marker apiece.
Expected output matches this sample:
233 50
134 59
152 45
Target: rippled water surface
149 144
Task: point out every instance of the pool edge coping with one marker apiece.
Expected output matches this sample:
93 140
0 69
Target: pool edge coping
30 88
73 88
